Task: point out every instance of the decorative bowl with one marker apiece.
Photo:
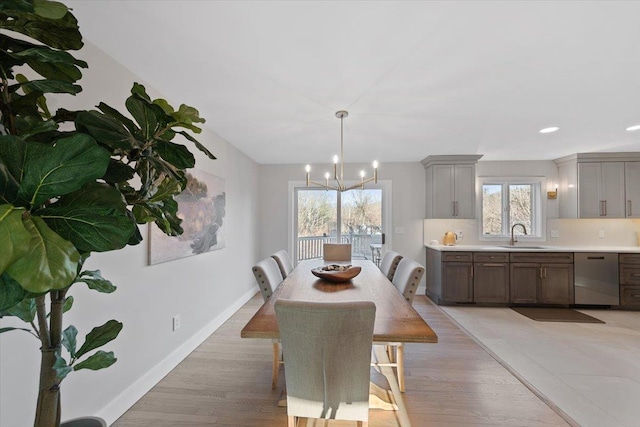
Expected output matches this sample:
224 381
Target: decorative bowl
336 273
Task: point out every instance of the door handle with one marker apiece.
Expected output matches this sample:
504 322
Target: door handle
383 238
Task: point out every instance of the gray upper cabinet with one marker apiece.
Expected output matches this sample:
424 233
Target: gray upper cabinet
599 185
632 189
450 186
601 190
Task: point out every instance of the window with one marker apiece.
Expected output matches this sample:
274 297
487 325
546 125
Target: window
509 201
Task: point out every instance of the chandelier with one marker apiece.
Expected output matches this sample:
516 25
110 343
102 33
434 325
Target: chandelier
339 179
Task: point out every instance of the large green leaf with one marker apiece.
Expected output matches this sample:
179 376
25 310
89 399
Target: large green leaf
50 9
12 158
113 113
29 126
93 218
53 171
99 360
14 238
118 172
20 5
99 336
61 367
49 86
69 340
95 281
50 63
51 262
60 33
176 154
24 310
105 129
143 115
198 144
11 293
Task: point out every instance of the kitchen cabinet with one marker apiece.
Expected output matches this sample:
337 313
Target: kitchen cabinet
629 279
450 186
601 190
632 189
457 276
599 185
490 277
541 278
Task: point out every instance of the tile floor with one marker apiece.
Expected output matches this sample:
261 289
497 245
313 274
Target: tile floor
590 371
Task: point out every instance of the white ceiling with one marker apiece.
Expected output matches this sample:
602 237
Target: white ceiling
418 78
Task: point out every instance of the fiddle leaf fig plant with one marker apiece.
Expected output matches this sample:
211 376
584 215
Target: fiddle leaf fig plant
73 183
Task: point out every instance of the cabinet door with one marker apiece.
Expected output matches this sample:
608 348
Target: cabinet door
556 286
612 189
632 189
491 282
465 191
523 282
589 200
457 281
443 181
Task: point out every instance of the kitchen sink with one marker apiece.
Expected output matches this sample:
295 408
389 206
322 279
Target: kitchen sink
522 247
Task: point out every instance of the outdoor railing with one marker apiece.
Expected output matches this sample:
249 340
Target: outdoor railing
311 246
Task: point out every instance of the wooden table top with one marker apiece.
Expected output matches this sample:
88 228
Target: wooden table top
396 320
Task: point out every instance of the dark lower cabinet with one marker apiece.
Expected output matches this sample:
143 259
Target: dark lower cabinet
629 279
491 282
457 281
546 282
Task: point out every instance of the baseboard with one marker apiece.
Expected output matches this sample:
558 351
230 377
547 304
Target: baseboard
125 400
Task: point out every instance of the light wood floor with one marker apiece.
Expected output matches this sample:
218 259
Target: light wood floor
227 382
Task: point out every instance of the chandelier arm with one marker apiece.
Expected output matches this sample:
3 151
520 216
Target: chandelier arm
325 186
359 185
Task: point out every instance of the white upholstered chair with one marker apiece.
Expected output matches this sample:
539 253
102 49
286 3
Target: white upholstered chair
284 262
389 263
406 278
268 277
339 252
327 347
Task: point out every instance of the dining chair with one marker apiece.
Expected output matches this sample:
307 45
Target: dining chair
389 263
336 251
268 276
406 279
327 346
284 262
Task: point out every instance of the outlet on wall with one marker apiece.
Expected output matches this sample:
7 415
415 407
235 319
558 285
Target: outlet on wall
176 322
555 233
601 233
459 235
399 230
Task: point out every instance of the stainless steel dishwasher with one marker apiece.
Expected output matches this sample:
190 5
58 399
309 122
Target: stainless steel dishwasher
596 278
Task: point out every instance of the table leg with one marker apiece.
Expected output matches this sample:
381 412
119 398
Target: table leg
383 359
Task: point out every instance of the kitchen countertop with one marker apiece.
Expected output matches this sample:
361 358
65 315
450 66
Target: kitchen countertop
532 247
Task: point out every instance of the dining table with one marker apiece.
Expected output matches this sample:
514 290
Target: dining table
396 320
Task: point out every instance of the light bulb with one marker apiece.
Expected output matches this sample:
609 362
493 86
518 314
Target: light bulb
375 164
361 174
335 159
326 175
307 168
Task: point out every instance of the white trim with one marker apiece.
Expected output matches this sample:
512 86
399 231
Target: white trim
125 400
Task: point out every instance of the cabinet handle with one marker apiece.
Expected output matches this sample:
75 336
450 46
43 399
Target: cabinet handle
545 272
629 208
491 265
601 209
635 296
541 272
605 208
635 275
595 257
453 208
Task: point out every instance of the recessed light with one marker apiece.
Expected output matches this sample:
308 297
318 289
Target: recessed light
549 130
634 127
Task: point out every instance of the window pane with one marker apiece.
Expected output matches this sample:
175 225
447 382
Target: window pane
492 209
317 221
361 217
520 205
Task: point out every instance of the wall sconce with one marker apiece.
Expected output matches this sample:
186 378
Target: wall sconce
553 194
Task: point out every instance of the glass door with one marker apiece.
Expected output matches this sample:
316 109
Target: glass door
327 216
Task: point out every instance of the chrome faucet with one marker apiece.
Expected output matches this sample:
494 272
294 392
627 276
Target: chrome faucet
513 239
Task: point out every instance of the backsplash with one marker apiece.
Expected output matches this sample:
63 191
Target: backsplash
616 232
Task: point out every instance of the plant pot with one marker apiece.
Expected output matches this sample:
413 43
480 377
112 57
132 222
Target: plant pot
85 422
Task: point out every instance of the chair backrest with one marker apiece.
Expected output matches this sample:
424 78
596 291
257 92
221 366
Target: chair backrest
336 251
268 276
407 278
284 262
389 263
327 349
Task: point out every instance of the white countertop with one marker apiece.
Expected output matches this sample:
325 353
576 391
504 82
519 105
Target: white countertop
524 247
